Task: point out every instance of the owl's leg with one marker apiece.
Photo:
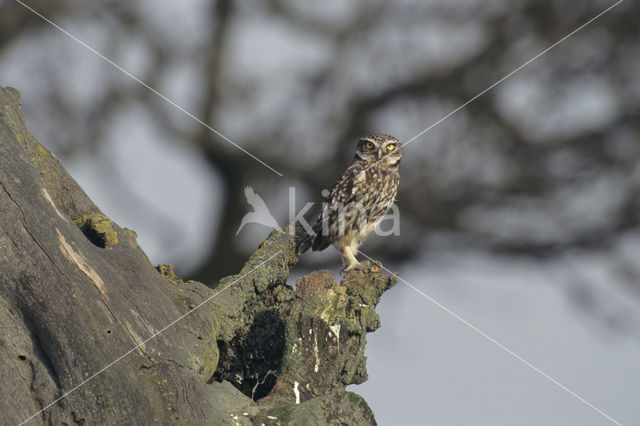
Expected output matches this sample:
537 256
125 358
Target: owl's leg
349 259
365 264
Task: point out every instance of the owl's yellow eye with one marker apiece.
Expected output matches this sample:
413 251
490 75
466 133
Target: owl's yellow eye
391 147
369 145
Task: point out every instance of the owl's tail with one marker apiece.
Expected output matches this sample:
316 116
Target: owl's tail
302 239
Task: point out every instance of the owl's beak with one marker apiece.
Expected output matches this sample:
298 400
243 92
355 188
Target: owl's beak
379 154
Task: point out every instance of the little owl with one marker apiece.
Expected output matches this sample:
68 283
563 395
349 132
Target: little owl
358 200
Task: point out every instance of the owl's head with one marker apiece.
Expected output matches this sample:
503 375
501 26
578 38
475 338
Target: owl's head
381 148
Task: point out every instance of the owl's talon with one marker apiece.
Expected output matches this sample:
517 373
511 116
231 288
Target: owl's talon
360 266
364 265
350 267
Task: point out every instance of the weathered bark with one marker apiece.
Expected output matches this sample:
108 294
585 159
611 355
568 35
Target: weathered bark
77 295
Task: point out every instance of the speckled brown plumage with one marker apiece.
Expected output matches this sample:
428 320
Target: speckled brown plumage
358 200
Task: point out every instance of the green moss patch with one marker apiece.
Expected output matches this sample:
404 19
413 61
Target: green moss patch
99 229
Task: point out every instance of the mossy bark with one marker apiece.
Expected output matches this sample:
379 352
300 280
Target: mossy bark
80 304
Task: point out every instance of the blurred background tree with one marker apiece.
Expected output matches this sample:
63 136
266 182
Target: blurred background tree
545 162
545 165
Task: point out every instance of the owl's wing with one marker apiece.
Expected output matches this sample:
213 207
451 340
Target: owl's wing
345 191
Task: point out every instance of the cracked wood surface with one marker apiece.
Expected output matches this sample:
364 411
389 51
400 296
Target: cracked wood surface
68 308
